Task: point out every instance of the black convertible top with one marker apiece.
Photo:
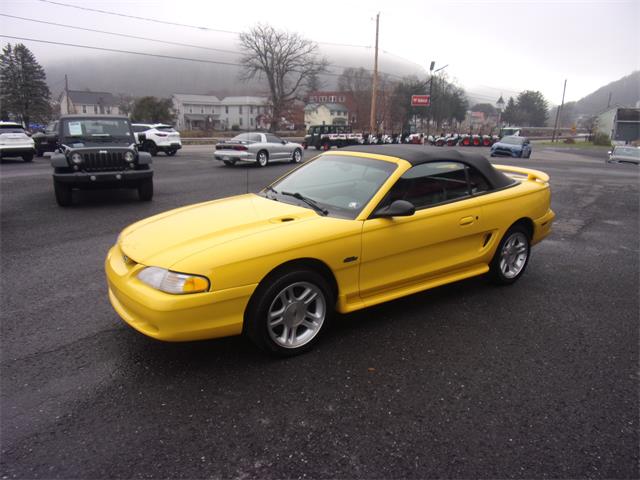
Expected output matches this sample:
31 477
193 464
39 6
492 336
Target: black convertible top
417 154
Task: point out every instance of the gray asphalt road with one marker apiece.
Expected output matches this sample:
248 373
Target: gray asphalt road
539 379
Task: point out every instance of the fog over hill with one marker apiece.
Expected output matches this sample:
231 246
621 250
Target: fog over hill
143 75
624 92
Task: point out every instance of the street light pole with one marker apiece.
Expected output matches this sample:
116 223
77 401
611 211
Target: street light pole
432 72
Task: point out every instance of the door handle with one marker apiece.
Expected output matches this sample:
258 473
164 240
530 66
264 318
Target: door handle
466 220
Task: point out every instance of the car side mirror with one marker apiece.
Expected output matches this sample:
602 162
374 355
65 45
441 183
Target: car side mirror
610 152
284 142
398 208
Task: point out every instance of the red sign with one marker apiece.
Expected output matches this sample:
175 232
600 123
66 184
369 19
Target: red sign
420 100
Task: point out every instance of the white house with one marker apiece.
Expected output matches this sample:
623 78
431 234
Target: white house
325 114
91 103
621 124
209 112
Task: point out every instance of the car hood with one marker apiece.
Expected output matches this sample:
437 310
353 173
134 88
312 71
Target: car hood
510 146
166 239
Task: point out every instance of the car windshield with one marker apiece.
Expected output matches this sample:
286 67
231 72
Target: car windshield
627 151
513 140
96 130
340 184
11 129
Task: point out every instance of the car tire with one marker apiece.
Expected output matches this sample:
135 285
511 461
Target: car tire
326 146
39 153
28 157
171 153
64 195
145 190
297 156
288 312
229 163
511 257
262 159
150 147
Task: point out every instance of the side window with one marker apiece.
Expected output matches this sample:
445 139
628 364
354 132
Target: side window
477 182
429 184
273 139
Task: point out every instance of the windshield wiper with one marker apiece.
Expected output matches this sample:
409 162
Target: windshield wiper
308 201
269 188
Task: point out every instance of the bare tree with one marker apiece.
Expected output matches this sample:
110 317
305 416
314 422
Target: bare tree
358 82
287 61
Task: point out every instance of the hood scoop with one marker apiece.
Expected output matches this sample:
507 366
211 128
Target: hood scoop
283 219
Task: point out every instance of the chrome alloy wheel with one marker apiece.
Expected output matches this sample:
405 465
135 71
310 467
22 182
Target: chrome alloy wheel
263 159
296 315
297 156
514 255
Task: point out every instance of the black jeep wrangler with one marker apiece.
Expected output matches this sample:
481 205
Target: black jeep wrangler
98 151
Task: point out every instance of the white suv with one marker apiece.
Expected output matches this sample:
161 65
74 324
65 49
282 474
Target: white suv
154 138
14 142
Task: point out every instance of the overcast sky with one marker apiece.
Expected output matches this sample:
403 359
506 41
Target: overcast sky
490 47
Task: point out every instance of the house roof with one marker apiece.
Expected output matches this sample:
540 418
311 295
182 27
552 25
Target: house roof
329 106
244 100
189 98
79 97
418 154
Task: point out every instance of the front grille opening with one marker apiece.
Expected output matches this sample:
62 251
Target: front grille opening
100 162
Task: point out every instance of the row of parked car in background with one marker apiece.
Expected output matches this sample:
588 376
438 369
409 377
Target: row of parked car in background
323 137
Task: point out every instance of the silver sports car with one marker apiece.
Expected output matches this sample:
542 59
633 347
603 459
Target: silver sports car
260 148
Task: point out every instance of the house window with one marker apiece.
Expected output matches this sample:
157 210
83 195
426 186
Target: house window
95 109
240 121
240 110
342 98
84 109
333 98
251 121
109 110
190 109
226 109
251 109
201 109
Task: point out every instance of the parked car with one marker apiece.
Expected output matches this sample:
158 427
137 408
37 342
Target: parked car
14 142
323 137
511 146
99 151
258 148
158 137
624 154
350 229
46 140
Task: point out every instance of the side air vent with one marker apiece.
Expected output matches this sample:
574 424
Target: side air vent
487 237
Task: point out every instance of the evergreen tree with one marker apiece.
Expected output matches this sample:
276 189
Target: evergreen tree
510 115
532 109
153 110
23 88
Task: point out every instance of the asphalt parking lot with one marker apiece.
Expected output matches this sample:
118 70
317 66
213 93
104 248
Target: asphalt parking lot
536 380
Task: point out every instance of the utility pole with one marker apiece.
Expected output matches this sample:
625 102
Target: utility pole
66 92
374 90
564 89
431 67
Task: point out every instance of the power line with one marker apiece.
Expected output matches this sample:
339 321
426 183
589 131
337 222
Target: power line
176 24
121 34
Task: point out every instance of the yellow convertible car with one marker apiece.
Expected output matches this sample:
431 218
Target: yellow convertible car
347 230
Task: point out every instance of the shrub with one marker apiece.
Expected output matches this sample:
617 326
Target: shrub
235 127
601 139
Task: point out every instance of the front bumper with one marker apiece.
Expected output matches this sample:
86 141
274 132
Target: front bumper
124 178
505 153
234 156
168 317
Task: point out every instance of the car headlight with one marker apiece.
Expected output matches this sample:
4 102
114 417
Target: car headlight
76 159
129 157
172 282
